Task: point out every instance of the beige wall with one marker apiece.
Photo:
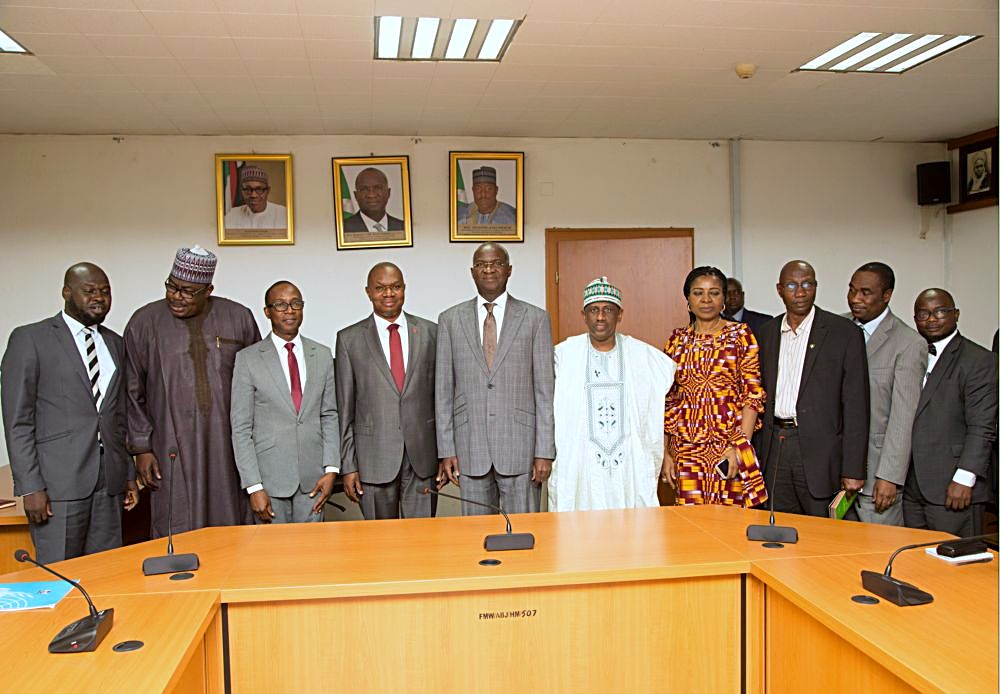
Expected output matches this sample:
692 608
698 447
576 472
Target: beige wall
129 205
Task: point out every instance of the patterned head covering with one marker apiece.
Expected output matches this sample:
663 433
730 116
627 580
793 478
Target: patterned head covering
194 265
484 174
250 172
601 290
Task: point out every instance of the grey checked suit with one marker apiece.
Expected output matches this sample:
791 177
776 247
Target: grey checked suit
275 446
381 427
496 419
51 426
897 361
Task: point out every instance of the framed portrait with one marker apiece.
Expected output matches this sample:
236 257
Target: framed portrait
253 199
486 196
371 201
977 171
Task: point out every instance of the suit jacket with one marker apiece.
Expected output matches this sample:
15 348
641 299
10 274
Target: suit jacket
897 362
377 421
49 416
956 420
355 223
500 417
832 407
754 319
275 446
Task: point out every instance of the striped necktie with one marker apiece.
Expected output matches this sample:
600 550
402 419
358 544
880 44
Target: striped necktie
93 368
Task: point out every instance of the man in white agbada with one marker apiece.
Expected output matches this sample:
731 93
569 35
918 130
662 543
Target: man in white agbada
258 212
609 396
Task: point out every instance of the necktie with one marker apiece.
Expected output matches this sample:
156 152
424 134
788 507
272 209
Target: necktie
293 376
93 368
931 349
377 226
489 335
396 357
864 333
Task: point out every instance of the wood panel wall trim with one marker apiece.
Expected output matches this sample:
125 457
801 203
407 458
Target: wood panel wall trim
970 139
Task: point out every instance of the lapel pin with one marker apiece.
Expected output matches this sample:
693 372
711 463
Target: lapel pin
811 346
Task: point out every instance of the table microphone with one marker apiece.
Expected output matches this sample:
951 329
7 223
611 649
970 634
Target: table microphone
900 592
772 533
494 543
170 563
85 633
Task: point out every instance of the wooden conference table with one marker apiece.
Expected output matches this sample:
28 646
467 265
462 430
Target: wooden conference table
640 601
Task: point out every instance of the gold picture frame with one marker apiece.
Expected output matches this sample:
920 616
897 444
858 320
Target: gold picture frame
387 196
241 225
469 221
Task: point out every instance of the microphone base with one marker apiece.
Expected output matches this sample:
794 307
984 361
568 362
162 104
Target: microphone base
895 591
509 541
84 634
170 564
772 533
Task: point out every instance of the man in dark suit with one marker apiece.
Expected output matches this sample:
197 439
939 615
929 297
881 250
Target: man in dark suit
284 416
495 428
371 189
385 393
63 393
814 437
738 312
956 423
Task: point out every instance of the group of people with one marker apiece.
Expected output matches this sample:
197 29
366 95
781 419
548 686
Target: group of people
226 428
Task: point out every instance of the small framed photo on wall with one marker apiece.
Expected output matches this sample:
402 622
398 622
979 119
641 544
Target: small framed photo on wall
486 196
253 199
977 170
371 200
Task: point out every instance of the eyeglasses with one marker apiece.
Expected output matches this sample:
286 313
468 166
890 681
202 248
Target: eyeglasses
595 311
795 286
489 265
282 306
183 292
255 190
939 313
382 289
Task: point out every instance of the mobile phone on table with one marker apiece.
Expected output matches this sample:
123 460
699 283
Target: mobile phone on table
722 467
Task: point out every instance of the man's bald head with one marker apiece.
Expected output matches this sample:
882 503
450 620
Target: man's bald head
935 293
935 314
379 268
797 289
87 293
795 266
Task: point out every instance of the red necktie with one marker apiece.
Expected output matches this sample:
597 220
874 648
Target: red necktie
396 356
293 376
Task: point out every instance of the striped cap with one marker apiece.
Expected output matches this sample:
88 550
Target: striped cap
602 290
249 172
194 265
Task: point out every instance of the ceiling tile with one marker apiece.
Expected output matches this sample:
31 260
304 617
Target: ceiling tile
58 44
271 49
338 50
278 26
148 66
213 66
339 27
130 46
298 69
353 8
96 22
86 65
36 20
201 47
187 23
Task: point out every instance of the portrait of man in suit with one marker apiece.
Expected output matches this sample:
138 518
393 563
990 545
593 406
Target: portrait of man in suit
897 361
385 394
372 192
62 387
955 425
736 310
284 416
494 389
814 435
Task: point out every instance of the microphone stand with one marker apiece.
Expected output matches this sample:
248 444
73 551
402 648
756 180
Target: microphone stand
773 536
170 563
494 543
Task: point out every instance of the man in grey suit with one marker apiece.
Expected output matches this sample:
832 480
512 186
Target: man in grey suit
955 425
385 394
284 417
897 361
493 400
63 394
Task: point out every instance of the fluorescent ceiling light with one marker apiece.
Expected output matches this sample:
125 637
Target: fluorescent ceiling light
874 49
495 39
423 40
9 45
388 36
461 35
919 42
930 53
848 45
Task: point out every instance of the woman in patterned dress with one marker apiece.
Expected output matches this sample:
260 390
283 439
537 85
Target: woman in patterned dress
712 409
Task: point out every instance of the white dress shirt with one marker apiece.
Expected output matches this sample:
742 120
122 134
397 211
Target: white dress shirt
382 327
963 477
738 316
871 326
791 359
498 311
105 363
370 223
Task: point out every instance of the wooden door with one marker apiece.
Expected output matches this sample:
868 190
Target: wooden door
647 265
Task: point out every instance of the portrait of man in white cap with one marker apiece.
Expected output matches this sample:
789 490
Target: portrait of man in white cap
257 212
486 209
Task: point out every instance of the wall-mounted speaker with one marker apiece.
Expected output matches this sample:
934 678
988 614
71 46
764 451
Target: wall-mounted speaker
934 183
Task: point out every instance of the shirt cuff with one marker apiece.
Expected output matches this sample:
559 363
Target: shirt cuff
331 468
964 477
255 488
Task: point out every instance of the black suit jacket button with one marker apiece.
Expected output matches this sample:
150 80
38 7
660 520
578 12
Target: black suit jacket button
490 386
